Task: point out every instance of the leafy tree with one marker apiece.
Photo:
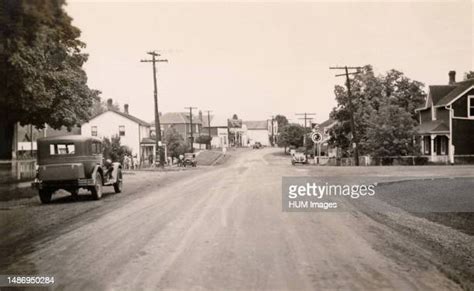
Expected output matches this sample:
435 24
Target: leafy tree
175 143
281 121
100 106
370 95
291 135
114 150
41 75
391 132
469 75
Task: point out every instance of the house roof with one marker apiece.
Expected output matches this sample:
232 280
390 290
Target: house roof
128 116
437 92
460 87
432 126
442 95
326 123
178 118
260 124
216 121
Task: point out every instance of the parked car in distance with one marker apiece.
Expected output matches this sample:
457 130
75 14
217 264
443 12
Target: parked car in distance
189 160
72 162
257 145
299 158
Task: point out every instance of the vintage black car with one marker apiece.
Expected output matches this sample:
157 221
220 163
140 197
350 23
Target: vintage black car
72 162
189 160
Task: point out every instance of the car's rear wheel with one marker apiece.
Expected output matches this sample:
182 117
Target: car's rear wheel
97 189
45 195
118 185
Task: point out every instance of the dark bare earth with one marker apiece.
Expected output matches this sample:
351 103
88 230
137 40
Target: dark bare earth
223 228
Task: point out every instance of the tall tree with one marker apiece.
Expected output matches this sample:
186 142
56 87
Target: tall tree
391 132
371 95
175 143
41 75
282 121
291 135
469 75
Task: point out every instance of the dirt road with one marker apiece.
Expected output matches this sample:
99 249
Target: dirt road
219 228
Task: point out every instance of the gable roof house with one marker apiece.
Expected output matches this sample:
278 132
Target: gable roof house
181 122
323 128
218 127
446 122
133 132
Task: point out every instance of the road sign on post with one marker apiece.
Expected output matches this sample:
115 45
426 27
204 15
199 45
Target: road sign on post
316 137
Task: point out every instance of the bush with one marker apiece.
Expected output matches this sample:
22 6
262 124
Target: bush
114 150
421 160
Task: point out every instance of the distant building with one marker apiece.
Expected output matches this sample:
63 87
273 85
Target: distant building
236 131
219 129
133 132
257 131
181 122
446 128
323 128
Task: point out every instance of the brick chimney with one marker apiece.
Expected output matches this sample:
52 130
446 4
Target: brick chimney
125 109
452 77
109 103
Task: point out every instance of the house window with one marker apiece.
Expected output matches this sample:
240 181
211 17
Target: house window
427 145
94 130
470 106
443 145
121 130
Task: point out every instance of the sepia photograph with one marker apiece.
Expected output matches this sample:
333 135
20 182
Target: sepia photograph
236 145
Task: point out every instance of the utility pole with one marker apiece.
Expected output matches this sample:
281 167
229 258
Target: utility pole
154 60
273 135
355 142
191 121
209 126
306 118
305 114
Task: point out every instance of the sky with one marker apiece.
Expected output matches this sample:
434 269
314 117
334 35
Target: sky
258 59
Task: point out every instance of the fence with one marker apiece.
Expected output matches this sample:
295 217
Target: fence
17 170
397 160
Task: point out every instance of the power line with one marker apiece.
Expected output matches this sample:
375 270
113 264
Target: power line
305 114
209 125
346 74
154 60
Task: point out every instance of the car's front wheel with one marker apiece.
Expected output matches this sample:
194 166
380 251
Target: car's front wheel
45 195
118 185
97 189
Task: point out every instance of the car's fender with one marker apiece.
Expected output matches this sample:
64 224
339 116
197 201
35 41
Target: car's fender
116 167
97 169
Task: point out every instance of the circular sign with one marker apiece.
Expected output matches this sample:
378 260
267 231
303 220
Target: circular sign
316 137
